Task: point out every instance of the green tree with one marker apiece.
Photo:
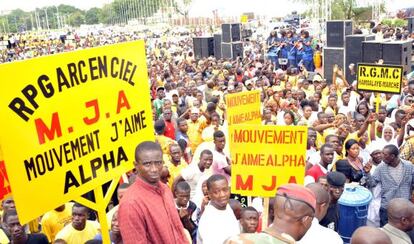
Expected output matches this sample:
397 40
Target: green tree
17 20
77 18
107 15
92 16
344 9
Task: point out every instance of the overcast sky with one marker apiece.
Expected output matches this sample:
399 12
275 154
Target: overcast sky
199 7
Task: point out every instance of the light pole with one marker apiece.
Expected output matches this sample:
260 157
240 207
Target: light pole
47 21
59 25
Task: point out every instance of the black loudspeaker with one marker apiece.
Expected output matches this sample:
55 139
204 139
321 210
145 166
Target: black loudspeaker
231 32
217 46
226 50
197 47
232 50
237 50
398 53
371 51
336 31
332 56
203 47
226 32
353 52
236 32
410 24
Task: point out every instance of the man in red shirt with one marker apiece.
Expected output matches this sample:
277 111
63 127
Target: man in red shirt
169 124
320 169
147 212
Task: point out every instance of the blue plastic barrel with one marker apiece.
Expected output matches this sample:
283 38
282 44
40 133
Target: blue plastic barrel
353 210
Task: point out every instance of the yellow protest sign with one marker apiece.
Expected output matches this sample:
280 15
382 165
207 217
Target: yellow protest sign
73 122
244 19
265 157
243 108
379 78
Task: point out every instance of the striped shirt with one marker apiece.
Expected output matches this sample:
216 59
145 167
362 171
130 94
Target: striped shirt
390 189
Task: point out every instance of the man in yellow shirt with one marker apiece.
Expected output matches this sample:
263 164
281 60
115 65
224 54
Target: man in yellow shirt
165 142
174 163
81 229
196 124
54 221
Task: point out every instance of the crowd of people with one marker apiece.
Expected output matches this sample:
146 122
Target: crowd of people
179 190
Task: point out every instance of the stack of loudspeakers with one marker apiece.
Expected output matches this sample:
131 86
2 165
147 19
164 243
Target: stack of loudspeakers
203 47
231 45
353 52
392 52
334 52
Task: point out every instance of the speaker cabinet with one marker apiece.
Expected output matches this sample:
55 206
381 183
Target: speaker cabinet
231 32
217 46
398 53
336 31
232 50
237 50
332 56
203 47
197 47
371 51
353 52
236 32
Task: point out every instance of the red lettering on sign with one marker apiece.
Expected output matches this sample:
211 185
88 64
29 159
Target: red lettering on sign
247 185
94 104
272 186
42 129
122 102
292 179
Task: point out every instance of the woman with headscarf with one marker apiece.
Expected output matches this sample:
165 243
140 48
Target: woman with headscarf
388 137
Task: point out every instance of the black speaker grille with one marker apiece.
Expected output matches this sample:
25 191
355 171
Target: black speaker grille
332 56
226 32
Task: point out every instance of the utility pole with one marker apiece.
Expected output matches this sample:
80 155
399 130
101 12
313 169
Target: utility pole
31 20
57 17
47 21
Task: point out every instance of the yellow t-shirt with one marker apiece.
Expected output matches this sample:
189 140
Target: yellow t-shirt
165 143
3 237
194 132
73 236
174 170
54 221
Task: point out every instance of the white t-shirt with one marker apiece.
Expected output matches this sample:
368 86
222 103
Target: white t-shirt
216 226
192 175
319 234
345 110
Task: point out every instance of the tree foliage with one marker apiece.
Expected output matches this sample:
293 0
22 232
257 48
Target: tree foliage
92 16
345 9
118 11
